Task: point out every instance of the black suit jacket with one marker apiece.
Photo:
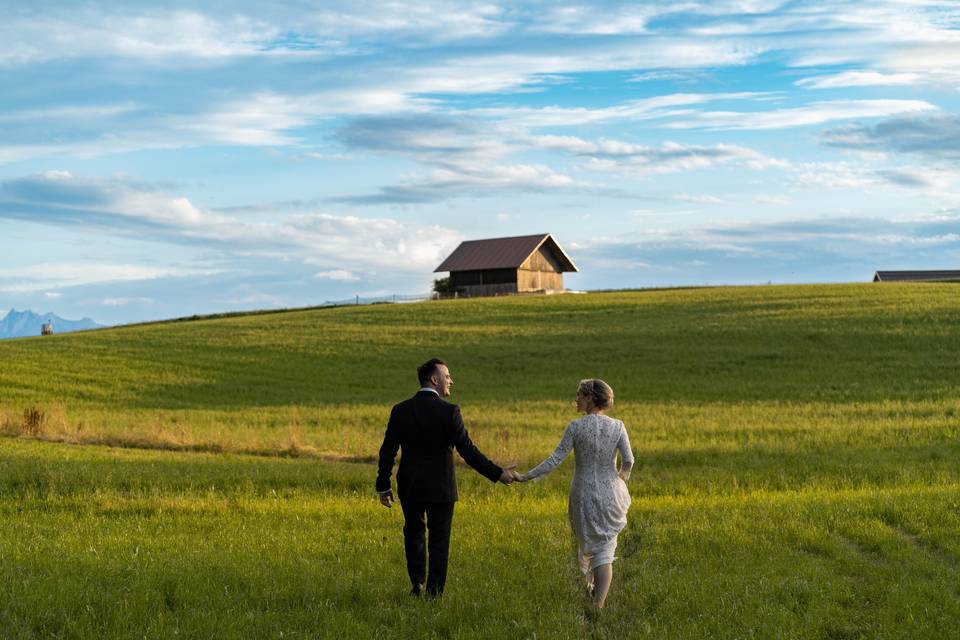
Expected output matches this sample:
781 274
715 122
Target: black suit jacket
427 428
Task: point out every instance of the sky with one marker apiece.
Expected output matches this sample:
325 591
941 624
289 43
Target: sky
167 159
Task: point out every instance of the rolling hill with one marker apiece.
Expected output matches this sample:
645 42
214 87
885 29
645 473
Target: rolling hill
796 469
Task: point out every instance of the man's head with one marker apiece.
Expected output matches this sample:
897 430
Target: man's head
434 374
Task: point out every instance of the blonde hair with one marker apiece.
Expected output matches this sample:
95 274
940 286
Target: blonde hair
599 391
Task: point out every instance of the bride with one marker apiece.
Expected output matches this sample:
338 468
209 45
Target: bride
598 493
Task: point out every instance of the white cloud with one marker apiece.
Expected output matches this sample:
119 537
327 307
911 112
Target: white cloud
152 36
367 244
834 175
265 117
670 105
606 154
604 20
70 113
935 138
430 20
465 156
123 302
58 275
812 114
526 176
698 198
771 199
860 79
908 42
654 76
929 241
932 181
928 178
118 197
337 274
531 67
322 240
616 18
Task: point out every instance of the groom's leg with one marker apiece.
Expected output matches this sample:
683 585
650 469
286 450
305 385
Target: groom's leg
439 519
414 541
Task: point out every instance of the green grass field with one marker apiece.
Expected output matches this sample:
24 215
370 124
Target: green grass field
798 469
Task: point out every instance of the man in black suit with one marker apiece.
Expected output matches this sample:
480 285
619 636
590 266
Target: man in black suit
427 428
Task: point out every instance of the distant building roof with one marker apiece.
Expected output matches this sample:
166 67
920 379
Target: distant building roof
901 276
502 253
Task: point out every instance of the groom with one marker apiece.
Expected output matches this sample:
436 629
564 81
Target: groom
427 428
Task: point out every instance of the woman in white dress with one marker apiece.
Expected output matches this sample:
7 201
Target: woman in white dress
599 499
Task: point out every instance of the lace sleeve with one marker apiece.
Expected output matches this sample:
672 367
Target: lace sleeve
626 454
561 452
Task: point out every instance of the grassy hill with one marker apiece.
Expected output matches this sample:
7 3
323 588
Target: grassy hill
678 360
798 468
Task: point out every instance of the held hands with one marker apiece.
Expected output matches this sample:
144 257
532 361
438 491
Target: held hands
510 476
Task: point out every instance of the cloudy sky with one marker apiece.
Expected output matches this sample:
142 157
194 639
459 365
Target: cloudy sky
209 156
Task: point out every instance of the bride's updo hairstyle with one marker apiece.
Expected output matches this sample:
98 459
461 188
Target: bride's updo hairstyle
598 390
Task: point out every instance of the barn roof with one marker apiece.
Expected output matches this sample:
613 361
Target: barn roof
502 253
900 276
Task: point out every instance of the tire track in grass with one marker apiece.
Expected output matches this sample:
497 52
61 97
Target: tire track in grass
858 561
926 547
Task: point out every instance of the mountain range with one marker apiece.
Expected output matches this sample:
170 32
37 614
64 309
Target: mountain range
18 324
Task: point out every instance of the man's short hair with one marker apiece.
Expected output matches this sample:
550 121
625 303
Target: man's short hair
428 369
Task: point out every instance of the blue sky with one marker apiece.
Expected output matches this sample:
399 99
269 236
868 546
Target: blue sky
160 161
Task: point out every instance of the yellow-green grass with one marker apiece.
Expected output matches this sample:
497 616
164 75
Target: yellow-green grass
114 543
797 473
699 367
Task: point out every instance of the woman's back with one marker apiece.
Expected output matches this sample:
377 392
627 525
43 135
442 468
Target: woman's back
596 439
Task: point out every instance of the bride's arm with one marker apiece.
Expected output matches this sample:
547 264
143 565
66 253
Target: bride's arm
626 454
551 463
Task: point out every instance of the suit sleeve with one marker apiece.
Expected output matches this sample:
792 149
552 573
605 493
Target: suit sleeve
469 452
388 452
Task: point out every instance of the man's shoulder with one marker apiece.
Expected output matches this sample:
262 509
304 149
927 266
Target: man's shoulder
430 398
434 403
436 400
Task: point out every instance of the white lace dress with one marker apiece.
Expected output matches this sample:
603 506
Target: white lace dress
599 499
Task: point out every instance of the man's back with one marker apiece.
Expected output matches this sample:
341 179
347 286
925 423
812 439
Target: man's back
426 429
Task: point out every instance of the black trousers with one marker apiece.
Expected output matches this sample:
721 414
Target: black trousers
439 517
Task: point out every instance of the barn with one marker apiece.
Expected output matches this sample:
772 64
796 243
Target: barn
916 276
502 266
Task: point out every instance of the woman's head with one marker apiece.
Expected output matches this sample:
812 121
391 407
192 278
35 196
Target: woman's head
594 393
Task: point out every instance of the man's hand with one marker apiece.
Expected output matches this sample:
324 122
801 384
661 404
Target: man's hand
386 499
508 475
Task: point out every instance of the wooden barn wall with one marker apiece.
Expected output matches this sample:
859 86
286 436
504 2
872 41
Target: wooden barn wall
542 260
538 280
